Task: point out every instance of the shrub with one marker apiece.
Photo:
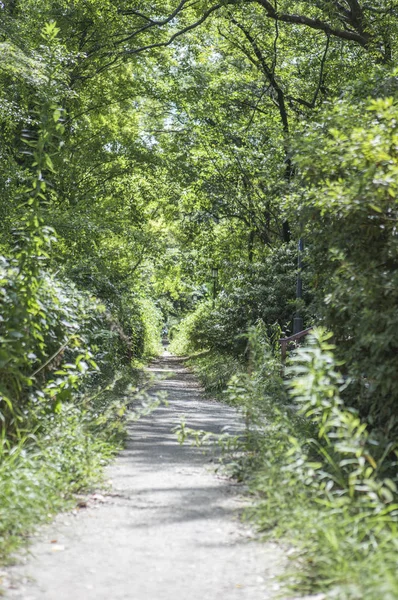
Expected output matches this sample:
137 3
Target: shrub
322 479
45 337
350 171
259 292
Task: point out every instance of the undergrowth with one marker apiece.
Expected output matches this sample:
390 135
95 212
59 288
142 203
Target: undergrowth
215 370
319 477
64 454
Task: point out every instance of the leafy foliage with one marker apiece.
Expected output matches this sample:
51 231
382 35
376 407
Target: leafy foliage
321 479
256 292
353 249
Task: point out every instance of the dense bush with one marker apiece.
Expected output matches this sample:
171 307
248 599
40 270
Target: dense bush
58 338
142 321
257 292
351 172
45 338
130 310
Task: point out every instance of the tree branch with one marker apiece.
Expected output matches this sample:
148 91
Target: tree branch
320 80
362 38
269 75
153 23
179 33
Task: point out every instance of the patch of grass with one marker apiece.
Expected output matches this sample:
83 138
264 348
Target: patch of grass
344 549
41 472
214 370
31 491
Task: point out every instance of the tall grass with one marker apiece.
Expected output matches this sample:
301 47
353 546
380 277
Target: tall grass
319 477
41 472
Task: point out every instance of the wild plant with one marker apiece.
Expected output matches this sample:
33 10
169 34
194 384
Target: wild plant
320 476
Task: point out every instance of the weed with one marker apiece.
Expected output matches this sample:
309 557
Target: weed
40 474
319 477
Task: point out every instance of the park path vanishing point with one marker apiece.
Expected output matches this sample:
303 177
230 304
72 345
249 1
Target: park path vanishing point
168 529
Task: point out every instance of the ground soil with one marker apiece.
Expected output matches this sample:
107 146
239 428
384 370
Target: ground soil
169 527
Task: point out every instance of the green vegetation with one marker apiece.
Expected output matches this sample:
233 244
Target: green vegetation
160 162
319 477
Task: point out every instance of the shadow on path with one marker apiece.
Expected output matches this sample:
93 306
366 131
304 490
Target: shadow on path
169 529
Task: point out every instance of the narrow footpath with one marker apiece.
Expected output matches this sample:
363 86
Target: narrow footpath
168 529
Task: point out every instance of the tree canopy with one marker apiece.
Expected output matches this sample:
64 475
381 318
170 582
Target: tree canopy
156 140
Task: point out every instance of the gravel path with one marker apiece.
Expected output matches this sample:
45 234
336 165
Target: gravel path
168 530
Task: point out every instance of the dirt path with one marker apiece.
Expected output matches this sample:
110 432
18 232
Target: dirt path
169 530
